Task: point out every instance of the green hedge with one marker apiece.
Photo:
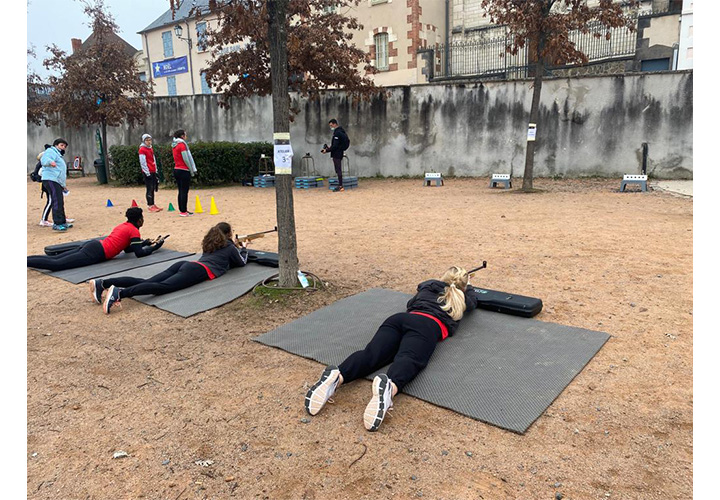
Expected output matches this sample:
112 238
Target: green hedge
217 162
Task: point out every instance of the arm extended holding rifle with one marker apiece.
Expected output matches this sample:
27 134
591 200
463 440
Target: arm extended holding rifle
242 240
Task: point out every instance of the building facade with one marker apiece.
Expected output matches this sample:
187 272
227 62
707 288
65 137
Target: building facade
393 32
418 41
175 53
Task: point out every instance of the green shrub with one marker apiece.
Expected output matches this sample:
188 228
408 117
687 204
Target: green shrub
217 162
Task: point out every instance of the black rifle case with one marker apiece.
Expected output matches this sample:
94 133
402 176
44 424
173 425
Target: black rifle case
507 303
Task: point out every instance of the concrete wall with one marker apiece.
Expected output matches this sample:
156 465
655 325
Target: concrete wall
589 126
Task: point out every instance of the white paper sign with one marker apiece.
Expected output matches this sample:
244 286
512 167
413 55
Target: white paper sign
532 130
283 159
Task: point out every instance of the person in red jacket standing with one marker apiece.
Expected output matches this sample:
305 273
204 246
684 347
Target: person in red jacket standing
149 170
184 169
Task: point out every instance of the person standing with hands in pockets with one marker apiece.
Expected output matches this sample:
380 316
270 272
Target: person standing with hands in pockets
338 145
149 170
184 169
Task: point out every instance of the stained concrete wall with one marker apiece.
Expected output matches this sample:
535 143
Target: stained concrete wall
589 126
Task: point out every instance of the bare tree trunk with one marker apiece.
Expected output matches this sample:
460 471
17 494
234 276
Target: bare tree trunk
534 112
106 160
535 108
287 242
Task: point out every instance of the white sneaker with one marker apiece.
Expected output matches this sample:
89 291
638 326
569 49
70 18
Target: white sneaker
323 390
45 223
380 403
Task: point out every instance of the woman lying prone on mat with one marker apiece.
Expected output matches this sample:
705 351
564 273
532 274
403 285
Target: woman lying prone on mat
407 340
220 253
125 236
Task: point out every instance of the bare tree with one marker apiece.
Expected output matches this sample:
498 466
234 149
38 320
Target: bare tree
98 84
545 25
304 46
36 91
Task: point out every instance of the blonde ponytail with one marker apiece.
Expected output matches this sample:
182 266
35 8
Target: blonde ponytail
453 297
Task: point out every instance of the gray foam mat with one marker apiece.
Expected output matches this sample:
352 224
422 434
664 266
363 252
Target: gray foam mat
500 369
203 296
123 262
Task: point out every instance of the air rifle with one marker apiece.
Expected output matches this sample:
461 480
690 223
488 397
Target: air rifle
249 237
472 271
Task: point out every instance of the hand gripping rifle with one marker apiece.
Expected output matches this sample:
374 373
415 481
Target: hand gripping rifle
249 237
159 239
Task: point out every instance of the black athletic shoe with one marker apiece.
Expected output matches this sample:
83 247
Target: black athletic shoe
112 299
322 391
380 403
97 290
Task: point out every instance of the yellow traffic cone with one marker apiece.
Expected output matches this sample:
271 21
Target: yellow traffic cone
198 207
213 207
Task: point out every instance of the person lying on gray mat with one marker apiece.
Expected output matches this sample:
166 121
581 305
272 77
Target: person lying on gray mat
125 236
220 253
406 339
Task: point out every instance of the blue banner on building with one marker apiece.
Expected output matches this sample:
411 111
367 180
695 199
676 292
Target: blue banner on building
170 67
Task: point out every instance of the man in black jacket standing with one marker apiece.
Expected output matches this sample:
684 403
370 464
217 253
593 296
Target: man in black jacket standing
339 143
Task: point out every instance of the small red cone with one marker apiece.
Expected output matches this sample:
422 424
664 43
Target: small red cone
134 204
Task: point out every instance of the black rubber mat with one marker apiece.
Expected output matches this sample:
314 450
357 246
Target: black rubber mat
121 263
204 296
500 369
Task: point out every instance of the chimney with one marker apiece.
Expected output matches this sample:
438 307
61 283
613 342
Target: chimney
76 44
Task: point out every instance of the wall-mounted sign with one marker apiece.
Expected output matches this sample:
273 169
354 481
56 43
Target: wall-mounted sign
532 132
170 67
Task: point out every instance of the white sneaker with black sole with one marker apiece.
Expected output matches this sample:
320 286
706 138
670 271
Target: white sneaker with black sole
380 403
323 390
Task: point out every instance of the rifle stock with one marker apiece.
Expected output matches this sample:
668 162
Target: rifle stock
253 236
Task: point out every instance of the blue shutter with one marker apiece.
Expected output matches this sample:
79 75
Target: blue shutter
204 83
201 29
172 86
167 44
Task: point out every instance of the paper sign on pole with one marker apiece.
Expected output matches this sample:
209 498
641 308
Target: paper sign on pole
283 159
532 130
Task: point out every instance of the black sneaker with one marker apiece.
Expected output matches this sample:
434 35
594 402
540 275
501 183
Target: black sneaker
380 403
112 299
97 290
322 391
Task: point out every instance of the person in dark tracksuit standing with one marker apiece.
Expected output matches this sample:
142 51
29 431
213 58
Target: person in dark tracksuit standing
54 177
406 340
338 145
220 253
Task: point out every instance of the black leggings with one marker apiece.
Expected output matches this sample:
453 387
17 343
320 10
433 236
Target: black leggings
57 202
48 203
337 163
407 340
90 253
151 183
182 177
176 277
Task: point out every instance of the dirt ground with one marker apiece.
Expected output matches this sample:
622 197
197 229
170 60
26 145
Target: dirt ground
172 392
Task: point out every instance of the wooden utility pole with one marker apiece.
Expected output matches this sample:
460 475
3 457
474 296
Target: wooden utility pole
287 241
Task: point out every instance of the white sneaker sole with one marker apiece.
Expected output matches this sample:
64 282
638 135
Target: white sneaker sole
92 292
322 391
378 406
